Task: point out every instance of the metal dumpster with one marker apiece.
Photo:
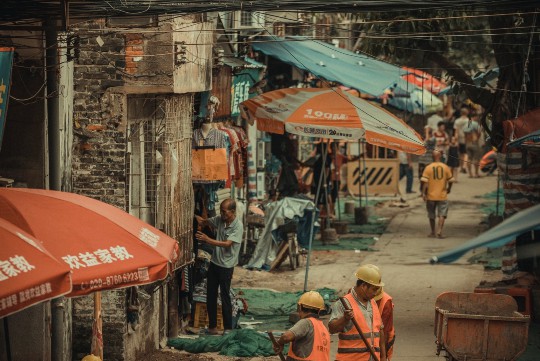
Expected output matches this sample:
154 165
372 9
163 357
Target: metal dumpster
479 326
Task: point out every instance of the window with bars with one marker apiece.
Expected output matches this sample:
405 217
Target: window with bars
146 125
246 18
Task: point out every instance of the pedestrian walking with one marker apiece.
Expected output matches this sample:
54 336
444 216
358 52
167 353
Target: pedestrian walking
363 309
437 182
229 230
460 123
442 140
472 133
453 157
309 337
406 170
426 158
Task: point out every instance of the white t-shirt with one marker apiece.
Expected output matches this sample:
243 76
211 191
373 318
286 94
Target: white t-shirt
459 124
433 121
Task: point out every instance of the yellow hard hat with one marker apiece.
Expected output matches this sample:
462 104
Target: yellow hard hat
312 299
91 358
374 267
369 275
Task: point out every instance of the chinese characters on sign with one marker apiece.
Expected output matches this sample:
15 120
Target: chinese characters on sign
14 266
25 296
99 256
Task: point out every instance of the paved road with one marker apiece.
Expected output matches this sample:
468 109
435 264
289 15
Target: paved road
404 250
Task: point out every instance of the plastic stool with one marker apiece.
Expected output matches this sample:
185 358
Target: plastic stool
523 299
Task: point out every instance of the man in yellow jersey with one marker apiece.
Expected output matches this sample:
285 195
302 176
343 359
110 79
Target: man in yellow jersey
437 182
363 309
309 336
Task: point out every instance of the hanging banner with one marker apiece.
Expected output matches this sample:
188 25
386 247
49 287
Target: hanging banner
241 84
6 63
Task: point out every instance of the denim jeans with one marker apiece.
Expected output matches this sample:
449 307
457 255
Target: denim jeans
406 171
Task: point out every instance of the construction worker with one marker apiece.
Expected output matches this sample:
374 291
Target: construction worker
310 338
386 308
363 309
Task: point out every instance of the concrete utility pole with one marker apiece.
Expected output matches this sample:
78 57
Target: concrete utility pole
58 351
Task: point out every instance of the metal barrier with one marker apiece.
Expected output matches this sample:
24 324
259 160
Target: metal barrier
382 176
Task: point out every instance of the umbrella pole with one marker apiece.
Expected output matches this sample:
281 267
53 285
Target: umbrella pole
97 335
325 179
6 335
313 222
359 173
337 172
365 171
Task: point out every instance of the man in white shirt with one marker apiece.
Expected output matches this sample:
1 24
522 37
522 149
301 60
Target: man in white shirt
459 124
432 123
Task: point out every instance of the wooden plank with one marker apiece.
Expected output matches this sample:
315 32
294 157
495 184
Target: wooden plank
282 254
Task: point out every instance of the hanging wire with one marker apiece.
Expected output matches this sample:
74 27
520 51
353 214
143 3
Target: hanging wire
525 66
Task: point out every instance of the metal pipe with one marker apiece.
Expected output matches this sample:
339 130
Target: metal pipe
53 118
58 353
313 221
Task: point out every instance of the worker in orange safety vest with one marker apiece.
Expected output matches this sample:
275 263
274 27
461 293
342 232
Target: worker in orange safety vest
309 336
386 307
364 310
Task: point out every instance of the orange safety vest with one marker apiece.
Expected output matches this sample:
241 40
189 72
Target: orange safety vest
321 344
350 344
389 333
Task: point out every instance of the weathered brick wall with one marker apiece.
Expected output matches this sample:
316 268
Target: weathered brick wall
99 169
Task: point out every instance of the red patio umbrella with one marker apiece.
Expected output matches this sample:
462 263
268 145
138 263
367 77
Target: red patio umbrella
104 247
28 273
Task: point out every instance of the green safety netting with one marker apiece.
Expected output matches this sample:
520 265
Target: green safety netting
269 310
239 343
359 243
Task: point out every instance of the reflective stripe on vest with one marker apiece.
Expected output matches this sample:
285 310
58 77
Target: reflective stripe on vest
344 336
353 348
390 334
357 350
321 344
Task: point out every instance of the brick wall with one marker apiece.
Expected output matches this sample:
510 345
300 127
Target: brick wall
99 169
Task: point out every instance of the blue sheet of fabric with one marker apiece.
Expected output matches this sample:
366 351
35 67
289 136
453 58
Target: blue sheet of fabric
498 236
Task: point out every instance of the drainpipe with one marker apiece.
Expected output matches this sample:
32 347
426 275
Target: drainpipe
54 171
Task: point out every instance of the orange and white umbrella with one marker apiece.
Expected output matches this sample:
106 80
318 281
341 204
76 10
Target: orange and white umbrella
330 113
104 247
28 273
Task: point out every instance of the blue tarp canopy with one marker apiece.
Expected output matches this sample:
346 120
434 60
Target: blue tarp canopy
498 236
357 71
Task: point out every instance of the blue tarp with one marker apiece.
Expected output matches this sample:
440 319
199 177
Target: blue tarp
533 137
358 71
498 236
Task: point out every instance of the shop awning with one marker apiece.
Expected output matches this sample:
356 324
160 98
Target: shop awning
521 222
358 71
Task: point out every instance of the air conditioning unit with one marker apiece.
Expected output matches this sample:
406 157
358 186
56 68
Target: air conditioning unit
260 185
261 152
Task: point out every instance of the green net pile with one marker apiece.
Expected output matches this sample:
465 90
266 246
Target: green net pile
239 343
270 310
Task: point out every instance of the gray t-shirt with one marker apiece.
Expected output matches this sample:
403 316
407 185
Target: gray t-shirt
227 257
303 338
367 312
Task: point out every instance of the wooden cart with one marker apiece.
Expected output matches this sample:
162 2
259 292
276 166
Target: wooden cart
479 327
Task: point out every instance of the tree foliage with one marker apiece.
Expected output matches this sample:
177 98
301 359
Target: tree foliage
461 43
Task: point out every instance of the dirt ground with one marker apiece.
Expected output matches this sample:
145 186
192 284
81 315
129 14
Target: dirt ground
321 274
